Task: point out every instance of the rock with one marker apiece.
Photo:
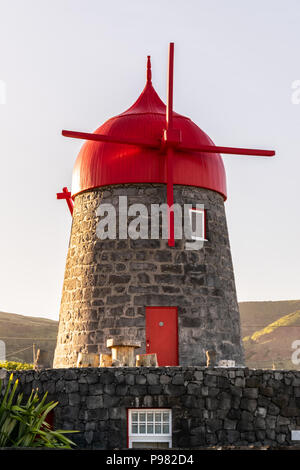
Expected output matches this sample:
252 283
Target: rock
250 393
229 424
249 405
140 379
261 412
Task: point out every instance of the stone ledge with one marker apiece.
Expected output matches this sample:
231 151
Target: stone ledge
122 341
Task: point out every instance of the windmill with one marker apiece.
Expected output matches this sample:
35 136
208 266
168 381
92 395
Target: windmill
175 303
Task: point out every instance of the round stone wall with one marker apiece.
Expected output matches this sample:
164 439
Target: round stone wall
109 283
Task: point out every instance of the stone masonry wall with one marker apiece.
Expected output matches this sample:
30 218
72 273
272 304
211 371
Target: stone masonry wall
108 283
209 406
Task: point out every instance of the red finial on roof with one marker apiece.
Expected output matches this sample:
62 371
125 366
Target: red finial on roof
149 75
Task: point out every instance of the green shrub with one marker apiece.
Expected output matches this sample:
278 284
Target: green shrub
24 425
12 365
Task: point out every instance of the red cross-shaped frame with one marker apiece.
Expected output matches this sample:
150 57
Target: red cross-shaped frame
171 140
68 197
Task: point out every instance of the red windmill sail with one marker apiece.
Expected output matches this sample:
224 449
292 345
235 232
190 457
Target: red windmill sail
68 197
171 141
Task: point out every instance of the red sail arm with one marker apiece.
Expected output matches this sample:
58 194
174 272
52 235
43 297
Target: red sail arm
228 150
113 140
157 144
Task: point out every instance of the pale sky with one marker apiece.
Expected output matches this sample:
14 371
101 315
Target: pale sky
73 64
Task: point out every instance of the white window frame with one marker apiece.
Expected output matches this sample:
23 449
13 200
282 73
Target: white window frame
145 437
203 215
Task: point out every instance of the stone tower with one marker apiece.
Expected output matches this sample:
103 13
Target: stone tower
178 302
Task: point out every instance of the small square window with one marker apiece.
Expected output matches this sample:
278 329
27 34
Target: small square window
151 428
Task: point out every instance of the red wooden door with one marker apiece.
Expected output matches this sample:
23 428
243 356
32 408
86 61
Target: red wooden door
162 334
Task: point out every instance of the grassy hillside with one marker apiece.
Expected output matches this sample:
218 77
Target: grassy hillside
19 332
271 345
268 331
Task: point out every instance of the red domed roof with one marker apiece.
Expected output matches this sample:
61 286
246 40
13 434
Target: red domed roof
102 163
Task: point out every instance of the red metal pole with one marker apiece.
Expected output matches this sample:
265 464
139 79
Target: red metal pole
170 197
170 87
169 154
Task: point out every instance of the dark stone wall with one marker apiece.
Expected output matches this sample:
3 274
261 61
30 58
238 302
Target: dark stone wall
108 283
209 406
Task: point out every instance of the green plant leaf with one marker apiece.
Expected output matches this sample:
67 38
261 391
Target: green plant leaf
24 425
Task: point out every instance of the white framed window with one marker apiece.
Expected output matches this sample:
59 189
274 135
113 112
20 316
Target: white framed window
198 223
149 428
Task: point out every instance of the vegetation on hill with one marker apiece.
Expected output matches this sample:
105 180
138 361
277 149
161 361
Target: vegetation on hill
12 365
293 319
257 315
270 343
